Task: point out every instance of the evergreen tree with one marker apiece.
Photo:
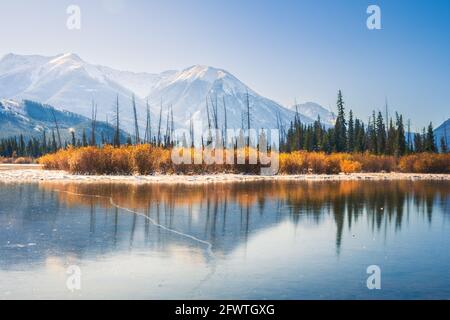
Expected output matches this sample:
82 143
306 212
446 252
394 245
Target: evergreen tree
84 138
21 151
44 143
381 134
340 129
400 141
391 136
372 135
351 133
360 138
430 144
54 145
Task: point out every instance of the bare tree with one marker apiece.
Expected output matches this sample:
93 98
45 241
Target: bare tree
136 126
159 125
172 126
209 138
191 131
225 123
248 117
117 130
167 135
93 123
148 127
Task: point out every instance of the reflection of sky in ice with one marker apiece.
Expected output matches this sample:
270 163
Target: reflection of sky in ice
284 247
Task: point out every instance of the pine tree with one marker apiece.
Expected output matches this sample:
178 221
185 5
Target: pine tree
84 138
74 143
351 133
359 136
400 143
430 144
54 145
372 134
44 142
21 151
340 129
391 136
381 134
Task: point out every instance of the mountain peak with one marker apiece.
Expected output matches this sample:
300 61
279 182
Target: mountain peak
314 110
201 72
67 58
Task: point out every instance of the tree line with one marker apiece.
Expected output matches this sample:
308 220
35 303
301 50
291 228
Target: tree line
381 136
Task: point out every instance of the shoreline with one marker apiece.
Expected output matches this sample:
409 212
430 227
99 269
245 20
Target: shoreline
18 174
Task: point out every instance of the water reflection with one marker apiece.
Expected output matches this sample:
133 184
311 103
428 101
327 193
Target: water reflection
251 206
40 223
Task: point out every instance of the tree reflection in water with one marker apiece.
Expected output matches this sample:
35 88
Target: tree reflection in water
225 214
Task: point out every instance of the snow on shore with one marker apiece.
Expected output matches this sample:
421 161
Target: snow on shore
17 174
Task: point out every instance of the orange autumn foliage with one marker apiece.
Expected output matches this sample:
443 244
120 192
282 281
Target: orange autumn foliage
147 159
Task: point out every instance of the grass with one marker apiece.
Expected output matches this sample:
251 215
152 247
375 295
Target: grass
146 159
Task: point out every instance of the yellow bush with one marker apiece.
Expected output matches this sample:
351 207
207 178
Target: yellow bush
88 160
57 161
374 163
349 166
425 163
148 159
121 160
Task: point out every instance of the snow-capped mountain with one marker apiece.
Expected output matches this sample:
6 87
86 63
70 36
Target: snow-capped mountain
31 119
442 131
191 90
69 83
314 110
64 81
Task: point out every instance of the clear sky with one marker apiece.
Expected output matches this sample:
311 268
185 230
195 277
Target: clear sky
285 50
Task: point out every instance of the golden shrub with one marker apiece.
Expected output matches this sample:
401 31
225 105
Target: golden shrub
376 163
425 163
87 160
147 159
350 166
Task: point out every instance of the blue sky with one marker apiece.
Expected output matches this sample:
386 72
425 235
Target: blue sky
285 50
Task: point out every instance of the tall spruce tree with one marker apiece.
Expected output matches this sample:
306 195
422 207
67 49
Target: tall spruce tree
340 128
400 143
351 133
430 144
381 134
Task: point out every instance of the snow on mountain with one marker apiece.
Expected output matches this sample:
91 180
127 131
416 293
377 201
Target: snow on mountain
190 90
314 110
69 83
442 131
31 119
139 83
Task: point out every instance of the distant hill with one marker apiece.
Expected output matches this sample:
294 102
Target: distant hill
313 110
442 131
30 119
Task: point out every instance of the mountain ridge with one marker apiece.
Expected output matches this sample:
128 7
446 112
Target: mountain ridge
67 82
31 119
